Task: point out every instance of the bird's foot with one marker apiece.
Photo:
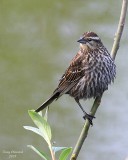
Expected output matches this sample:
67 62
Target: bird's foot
89 117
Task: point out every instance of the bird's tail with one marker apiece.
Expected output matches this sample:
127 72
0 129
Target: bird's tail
48 102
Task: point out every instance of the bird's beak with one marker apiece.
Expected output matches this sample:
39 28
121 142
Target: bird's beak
82 40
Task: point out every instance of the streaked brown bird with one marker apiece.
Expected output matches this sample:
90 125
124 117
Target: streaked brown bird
88 75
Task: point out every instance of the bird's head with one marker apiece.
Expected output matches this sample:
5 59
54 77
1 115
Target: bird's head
89 40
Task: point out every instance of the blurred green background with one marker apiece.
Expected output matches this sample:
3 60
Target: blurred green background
38 38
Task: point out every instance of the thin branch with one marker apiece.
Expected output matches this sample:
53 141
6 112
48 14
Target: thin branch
119 29
85 129
97 101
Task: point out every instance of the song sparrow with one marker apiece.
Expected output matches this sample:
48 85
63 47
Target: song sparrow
88 74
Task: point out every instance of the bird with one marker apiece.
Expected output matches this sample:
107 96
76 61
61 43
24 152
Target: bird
88 74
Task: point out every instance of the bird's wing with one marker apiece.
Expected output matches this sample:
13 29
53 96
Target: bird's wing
72 75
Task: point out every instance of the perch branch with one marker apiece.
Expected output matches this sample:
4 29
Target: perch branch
97 101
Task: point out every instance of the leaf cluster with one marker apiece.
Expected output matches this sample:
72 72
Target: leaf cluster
44 130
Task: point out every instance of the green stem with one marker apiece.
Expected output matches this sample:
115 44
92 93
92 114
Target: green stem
52 152
85 129
120 28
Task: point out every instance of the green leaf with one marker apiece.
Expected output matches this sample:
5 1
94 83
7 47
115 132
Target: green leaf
35 130
65 153
40 113
56 149
41 154
46 114
42 124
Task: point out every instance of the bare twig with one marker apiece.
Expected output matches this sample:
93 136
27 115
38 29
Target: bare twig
97 101
119 29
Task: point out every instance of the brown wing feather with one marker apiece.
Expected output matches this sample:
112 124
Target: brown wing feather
72 75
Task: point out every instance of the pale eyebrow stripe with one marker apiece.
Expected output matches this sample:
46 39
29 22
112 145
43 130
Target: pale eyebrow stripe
95 38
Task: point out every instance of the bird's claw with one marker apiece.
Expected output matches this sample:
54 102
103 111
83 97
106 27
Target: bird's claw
89 117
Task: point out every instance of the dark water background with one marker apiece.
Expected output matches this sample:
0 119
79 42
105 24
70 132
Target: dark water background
37 40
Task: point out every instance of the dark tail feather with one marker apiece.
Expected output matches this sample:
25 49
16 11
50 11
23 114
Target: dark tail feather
48 102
